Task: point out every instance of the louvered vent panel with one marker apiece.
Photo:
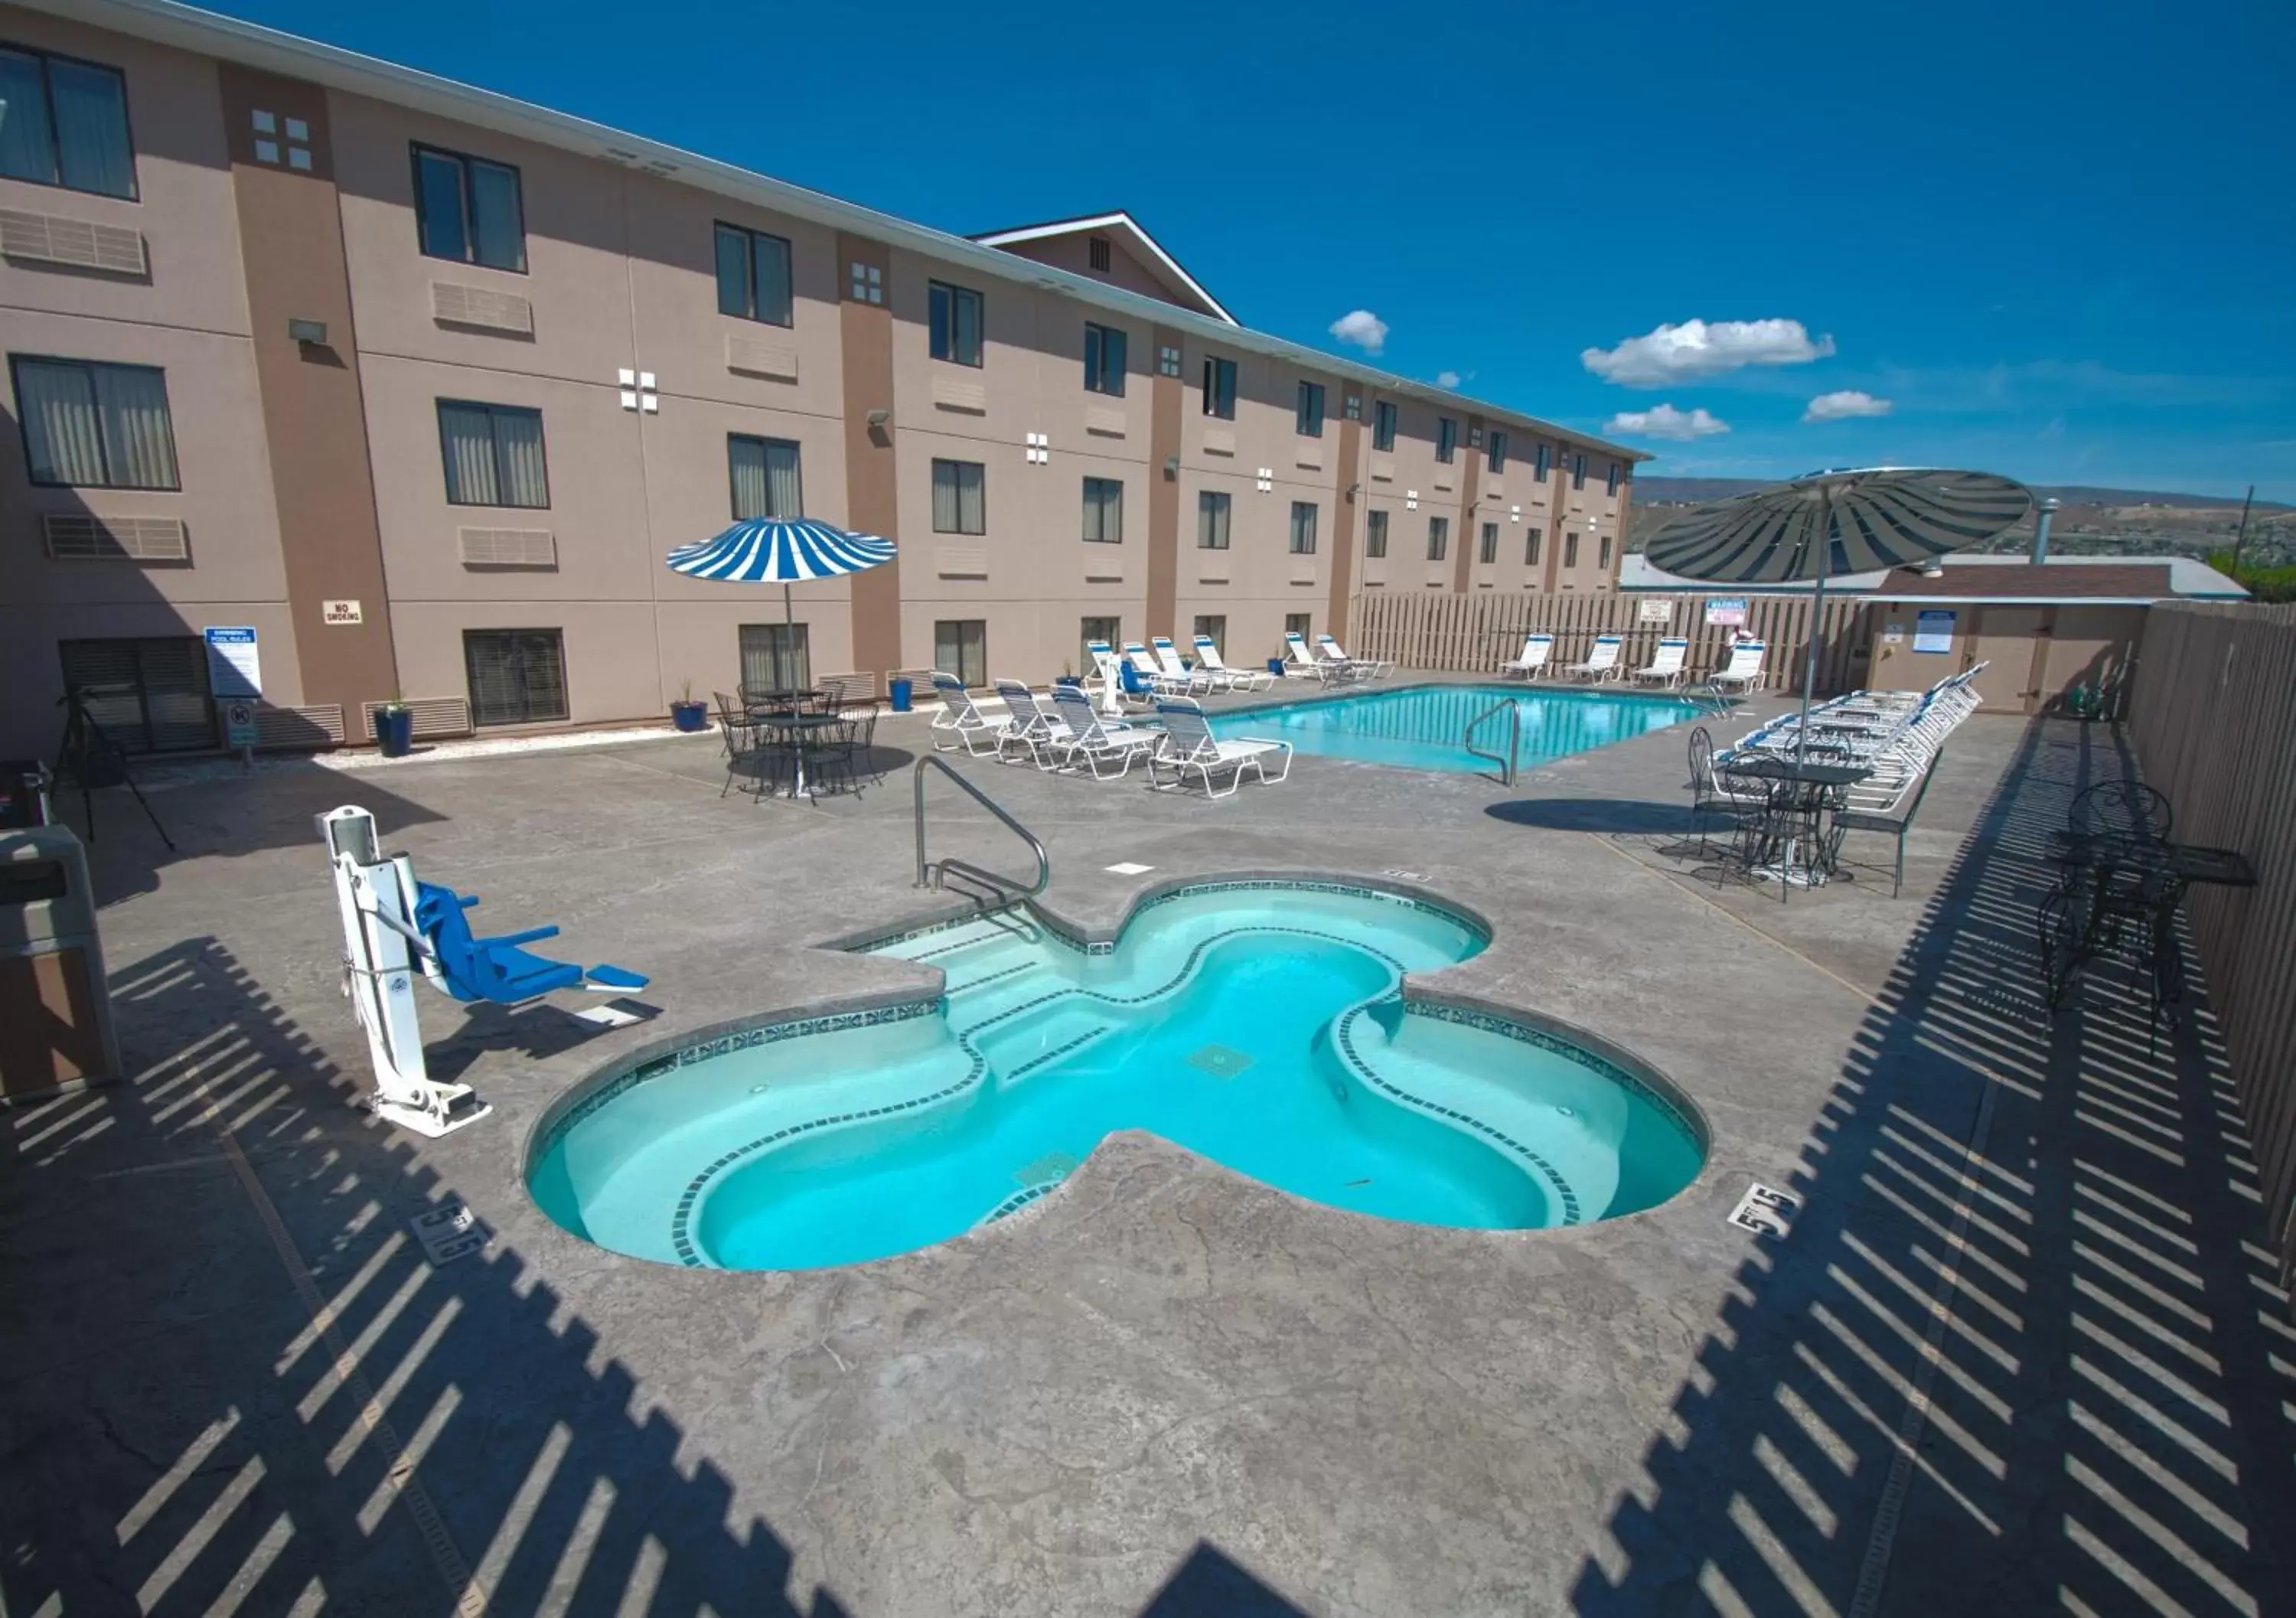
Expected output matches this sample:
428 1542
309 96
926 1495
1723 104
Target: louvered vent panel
78 536
509 547
44 238
755 358
455 305
297 729
435 716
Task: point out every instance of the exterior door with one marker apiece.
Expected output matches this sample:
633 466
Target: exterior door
2005 639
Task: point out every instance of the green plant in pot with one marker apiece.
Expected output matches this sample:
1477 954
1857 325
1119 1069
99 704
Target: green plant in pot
687 713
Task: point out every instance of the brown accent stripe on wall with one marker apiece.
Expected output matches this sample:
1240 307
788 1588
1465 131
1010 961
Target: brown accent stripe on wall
1349 475
1166 394
291 236
1556 473
1469 530
872 503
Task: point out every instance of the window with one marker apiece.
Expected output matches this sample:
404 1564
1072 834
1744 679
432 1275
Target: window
1353 408
1213 627
1545 462
518 676
1382 427
1614 490
1096 253
1103 360
1213 510
66 124
1168 360
753 276
776 657
468 209
1295 623
1219 388
96 426
1498 451
960 499
1375 533
1108 631
1489 549
1303 527
494 454
961 647
1103 511
1311 410
764 477
1530 548
1438 538
1603 549
868 283
150 695
1447 438
1577 471
955 324
1569 550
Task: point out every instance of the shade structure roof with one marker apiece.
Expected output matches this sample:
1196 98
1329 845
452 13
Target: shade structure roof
771 550
1873 518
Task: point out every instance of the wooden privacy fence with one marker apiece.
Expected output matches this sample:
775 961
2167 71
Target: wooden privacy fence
1478 632
2212 719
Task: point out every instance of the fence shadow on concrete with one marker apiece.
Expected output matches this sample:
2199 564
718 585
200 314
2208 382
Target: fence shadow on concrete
2021 1350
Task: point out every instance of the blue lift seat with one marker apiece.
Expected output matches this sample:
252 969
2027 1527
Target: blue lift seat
500 969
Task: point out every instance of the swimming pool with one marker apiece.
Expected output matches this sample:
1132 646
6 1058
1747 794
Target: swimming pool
1419 727
1258 1024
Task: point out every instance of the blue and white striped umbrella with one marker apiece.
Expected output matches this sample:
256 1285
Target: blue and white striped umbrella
773 550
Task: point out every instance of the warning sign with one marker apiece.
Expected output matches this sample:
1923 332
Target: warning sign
238 722
340 612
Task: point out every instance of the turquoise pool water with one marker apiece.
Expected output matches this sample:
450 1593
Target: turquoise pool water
1419 727
1258 1024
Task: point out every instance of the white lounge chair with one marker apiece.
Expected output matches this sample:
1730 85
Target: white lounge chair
1032 728
1743 671
1175 669
962 723
1665 669
1298 659
1091 743
1108 670
1144 665
1366 668
1207 657
1191 750
1602 661
1536 650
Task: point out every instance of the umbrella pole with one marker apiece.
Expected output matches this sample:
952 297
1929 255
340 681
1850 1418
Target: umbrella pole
1817 612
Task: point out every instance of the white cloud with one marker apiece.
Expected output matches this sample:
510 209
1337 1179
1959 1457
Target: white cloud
1363 329
1665 421
1699 348
1844 405
1446 379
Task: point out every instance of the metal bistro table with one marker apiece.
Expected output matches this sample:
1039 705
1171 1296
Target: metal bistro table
789 719
1800 794
2122 892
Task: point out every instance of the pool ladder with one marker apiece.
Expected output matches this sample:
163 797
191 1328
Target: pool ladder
1507 761
935 872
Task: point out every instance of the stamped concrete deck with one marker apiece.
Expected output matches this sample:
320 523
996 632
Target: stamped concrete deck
2019 1352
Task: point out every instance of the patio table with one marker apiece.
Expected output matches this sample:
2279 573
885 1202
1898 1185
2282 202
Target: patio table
1813 790
792 730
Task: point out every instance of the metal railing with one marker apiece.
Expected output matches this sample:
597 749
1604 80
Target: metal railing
1505 761
933 874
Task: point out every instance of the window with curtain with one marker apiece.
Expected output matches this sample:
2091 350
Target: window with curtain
1219 388
1310 413
1545 462
961 647
1213 512
469 208
1375 534
1614 490
1570 550
1107 631
1213 627
1498 451
1530 548
1603 549
776 657
1577 471
87 425
1382 427
518 676
960 504
1438 538
1296 623
494 454
1447 438
65 124
1489 550
753 276
1103 511
1103 360
765 475
956 320
1303 527
149 695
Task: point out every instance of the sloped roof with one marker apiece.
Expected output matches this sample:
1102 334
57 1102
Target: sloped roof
2030 581
1145 248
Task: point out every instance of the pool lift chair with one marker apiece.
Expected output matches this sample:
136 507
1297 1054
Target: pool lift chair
393 927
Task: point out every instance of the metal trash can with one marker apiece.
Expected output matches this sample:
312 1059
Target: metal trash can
902 690
55 1006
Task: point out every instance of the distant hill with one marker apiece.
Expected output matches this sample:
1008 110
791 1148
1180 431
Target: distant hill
1686 491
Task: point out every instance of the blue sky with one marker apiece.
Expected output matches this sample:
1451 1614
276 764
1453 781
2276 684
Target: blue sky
2059 240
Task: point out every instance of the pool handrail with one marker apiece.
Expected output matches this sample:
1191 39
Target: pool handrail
933 874
1506 763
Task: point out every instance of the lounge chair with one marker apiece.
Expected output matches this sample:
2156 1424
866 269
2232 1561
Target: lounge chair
1298 659
1190 749
1152 674
1895 821
1032 728
1108 669
1207 657
1743 671
1666 668
1090 742
1366 668
1536 650
1175 669
962 724
1602 661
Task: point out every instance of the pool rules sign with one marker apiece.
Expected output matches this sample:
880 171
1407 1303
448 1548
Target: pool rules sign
235 679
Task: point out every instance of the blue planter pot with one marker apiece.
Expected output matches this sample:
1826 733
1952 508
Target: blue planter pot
691 718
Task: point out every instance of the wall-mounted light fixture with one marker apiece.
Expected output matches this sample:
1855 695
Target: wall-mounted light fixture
879 416
1353 490
309 331
1171 466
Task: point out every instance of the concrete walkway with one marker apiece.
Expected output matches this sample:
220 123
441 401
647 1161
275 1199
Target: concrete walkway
2020 1351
